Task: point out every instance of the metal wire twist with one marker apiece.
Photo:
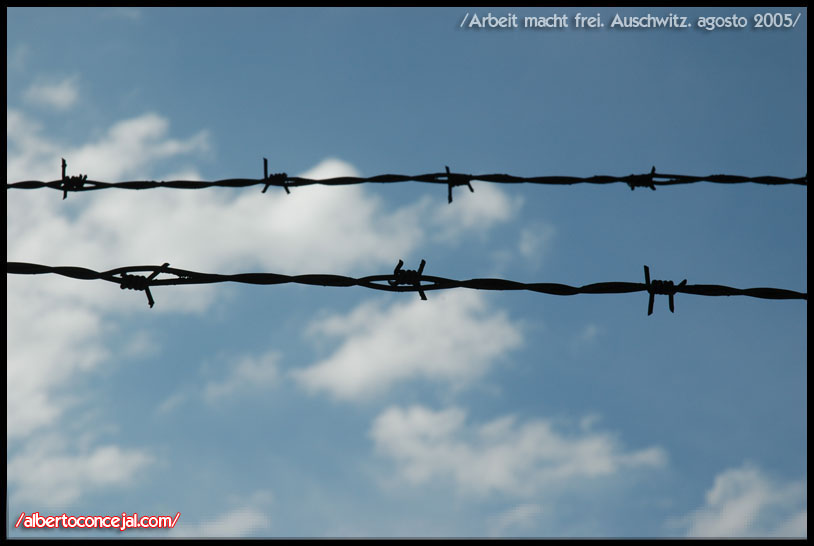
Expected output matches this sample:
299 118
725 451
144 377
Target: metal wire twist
399 281
650 180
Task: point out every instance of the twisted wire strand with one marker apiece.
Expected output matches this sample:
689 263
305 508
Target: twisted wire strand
80 183
400 281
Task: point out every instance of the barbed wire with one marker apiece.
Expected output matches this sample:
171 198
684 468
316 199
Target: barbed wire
80 183
400 281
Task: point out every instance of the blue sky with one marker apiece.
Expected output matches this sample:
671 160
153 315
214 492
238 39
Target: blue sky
306 411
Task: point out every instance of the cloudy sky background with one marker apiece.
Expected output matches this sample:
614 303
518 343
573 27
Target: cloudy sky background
307 411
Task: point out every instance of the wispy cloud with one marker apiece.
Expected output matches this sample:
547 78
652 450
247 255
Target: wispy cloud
587 336
60 95
744 502
516 520
236 523
471 212
454 340
246 374
529 246
51 341
500 456
171 402
124 13
50 473
132 144
250 517
534 242
17 56
129 147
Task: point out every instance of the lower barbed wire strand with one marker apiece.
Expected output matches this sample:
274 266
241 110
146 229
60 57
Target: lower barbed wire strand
131 277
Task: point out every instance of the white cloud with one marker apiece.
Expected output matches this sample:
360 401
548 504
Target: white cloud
245 375
128 148
589 333
131 144
587 336
795 526
172 402
127 14
199 229
528 246
54 325
454 338
515 520
534 241
51 339
139 345
744 502
501 456
237 523
589 421
469 212
48 473
59 96
57 327
190 229
330 167
211 229
245 520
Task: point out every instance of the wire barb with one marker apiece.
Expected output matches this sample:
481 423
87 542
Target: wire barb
71 183
140 282
278 179
642 180
661 287
409 276
455 179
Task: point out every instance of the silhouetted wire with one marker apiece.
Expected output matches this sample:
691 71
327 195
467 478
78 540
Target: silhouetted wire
400 281
650 180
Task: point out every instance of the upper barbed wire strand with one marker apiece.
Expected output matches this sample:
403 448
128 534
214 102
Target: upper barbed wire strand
650 180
